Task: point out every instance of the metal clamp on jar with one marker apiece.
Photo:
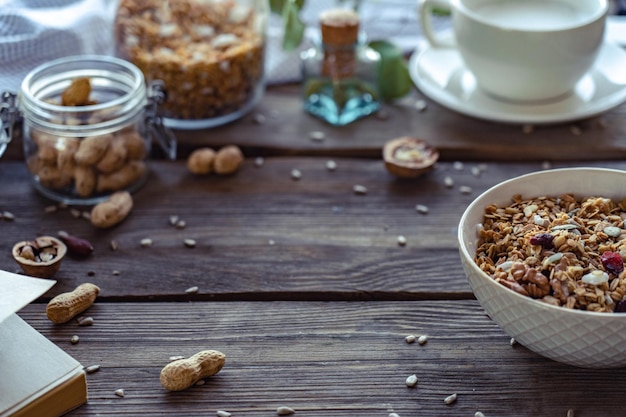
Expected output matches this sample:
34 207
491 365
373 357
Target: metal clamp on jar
88 125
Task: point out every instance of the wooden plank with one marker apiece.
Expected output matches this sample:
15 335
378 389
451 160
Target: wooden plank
286 129
261 235
324 359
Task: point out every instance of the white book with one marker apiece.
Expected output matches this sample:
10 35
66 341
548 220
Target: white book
37 378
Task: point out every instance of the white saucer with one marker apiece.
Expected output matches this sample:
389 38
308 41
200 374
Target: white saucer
441 75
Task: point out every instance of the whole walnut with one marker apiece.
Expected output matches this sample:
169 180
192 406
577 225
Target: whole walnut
228 160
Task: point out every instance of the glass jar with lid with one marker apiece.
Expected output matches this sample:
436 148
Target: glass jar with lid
88 126
209 53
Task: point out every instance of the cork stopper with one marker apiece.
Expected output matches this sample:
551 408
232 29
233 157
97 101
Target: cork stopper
340 27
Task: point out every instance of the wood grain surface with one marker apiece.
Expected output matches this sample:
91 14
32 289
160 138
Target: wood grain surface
302 283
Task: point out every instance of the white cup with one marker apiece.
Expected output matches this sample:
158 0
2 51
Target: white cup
522 50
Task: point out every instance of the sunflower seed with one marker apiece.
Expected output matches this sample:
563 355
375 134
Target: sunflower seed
464 189
422 339
85 321
421 208
410 338
285 411
92 368
74 339
411 380
359 189
190 243
192 290
450 399
317 135
119 392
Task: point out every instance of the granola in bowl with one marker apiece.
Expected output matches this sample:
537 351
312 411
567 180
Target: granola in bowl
564 251
577 224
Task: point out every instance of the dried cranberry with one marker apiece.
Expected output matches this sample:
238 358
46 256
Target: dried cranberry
612 262
543 239
620 307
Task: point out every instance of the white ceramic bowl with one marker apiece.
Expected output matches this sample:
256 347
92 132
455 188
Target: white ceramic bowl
575 337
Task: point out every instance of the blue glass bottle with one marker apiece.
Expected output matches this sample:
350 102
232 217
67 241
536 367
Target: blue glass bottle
340 76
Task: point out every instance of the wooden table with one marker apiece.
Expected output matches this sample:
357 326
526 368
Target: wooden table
302 283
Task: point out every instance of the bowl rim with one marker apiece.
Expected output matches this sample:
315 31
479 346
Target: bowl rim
479 200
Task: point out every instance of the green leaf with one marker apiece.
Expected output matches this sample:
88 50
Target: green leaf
277 6
394 80
294 28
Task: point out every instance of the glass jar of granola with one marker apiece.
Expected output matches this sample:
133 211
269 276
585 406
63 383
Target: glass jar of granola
88 125
209 53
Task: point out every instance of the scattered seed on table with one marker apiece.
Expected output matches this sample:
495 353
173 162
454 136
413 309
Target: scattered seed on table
448 182
173 220
450 399
458 165
285 411
146 242
546 165
513 342
394 415
575 130
7 215
259 161
359 189
420 105
411 381
570 413
75 213
200 382
476 171
421 208
176 358
464 189
85 321
528 129
401 240
296 174
222 413
181 224
317 135
331 165
74 339
192 290
190 243
258 119
478 414
410 338
422 339
86 215
92 369
50 209
119 392
116 272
